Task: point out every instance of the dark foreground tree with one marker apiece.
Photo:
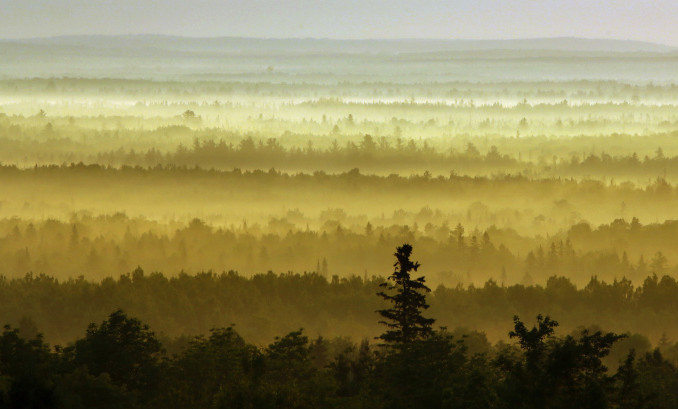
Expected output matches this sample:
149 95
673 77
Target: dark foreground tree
404 319
26 369
124 349
422 368
555 372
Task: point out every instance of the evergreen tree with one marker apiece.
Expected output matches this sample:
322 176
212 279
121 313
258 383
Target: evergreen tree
404 319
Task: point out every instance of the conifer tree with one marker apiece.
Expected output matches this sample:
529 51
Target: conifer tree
404 319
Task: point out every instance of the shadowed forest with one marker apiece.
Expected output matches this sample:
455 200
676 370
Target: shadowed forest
121 362
170 208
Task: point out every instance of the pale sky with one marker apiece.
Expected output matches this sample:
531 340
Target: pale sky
645 20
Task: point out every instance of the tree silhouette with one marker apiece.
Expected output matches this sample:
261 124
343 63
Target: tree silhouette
124 348
556 372
404 319
533 341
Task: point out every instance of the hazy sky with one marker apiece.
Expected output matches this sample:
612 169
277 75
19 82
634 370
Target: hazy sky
648 20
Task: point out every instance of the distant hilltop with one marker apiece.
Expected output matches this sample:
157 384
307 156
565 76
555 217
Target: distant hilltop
326 60
313 45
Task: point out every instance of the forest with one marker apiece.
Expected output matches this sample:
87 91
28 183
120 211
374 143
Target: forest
121 362
211 223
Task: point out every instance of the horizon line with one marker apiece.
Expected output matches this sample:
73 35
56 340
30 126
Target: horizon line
565 37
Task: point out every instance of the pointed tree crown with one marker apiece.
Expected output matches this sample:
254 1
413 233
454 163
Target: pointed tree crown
407 296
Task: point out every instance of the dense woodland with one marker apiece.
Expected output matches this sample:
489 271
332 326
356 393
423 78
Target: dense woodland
532 207
121 362
209 223
105 246
267 305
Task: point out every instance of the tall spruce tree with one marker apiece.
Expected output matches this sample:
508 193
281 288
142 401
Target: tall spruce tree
404 319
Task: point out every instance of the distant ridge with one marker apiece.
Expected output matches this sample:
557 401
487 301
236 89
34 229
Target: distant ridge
311 45
329 60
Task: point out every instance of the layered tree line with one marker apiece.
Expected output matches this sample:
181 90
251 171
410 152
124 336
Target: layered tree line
319 126
121 362
380 155
103 246
214 234
588 90
170 193
266 305
617 155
